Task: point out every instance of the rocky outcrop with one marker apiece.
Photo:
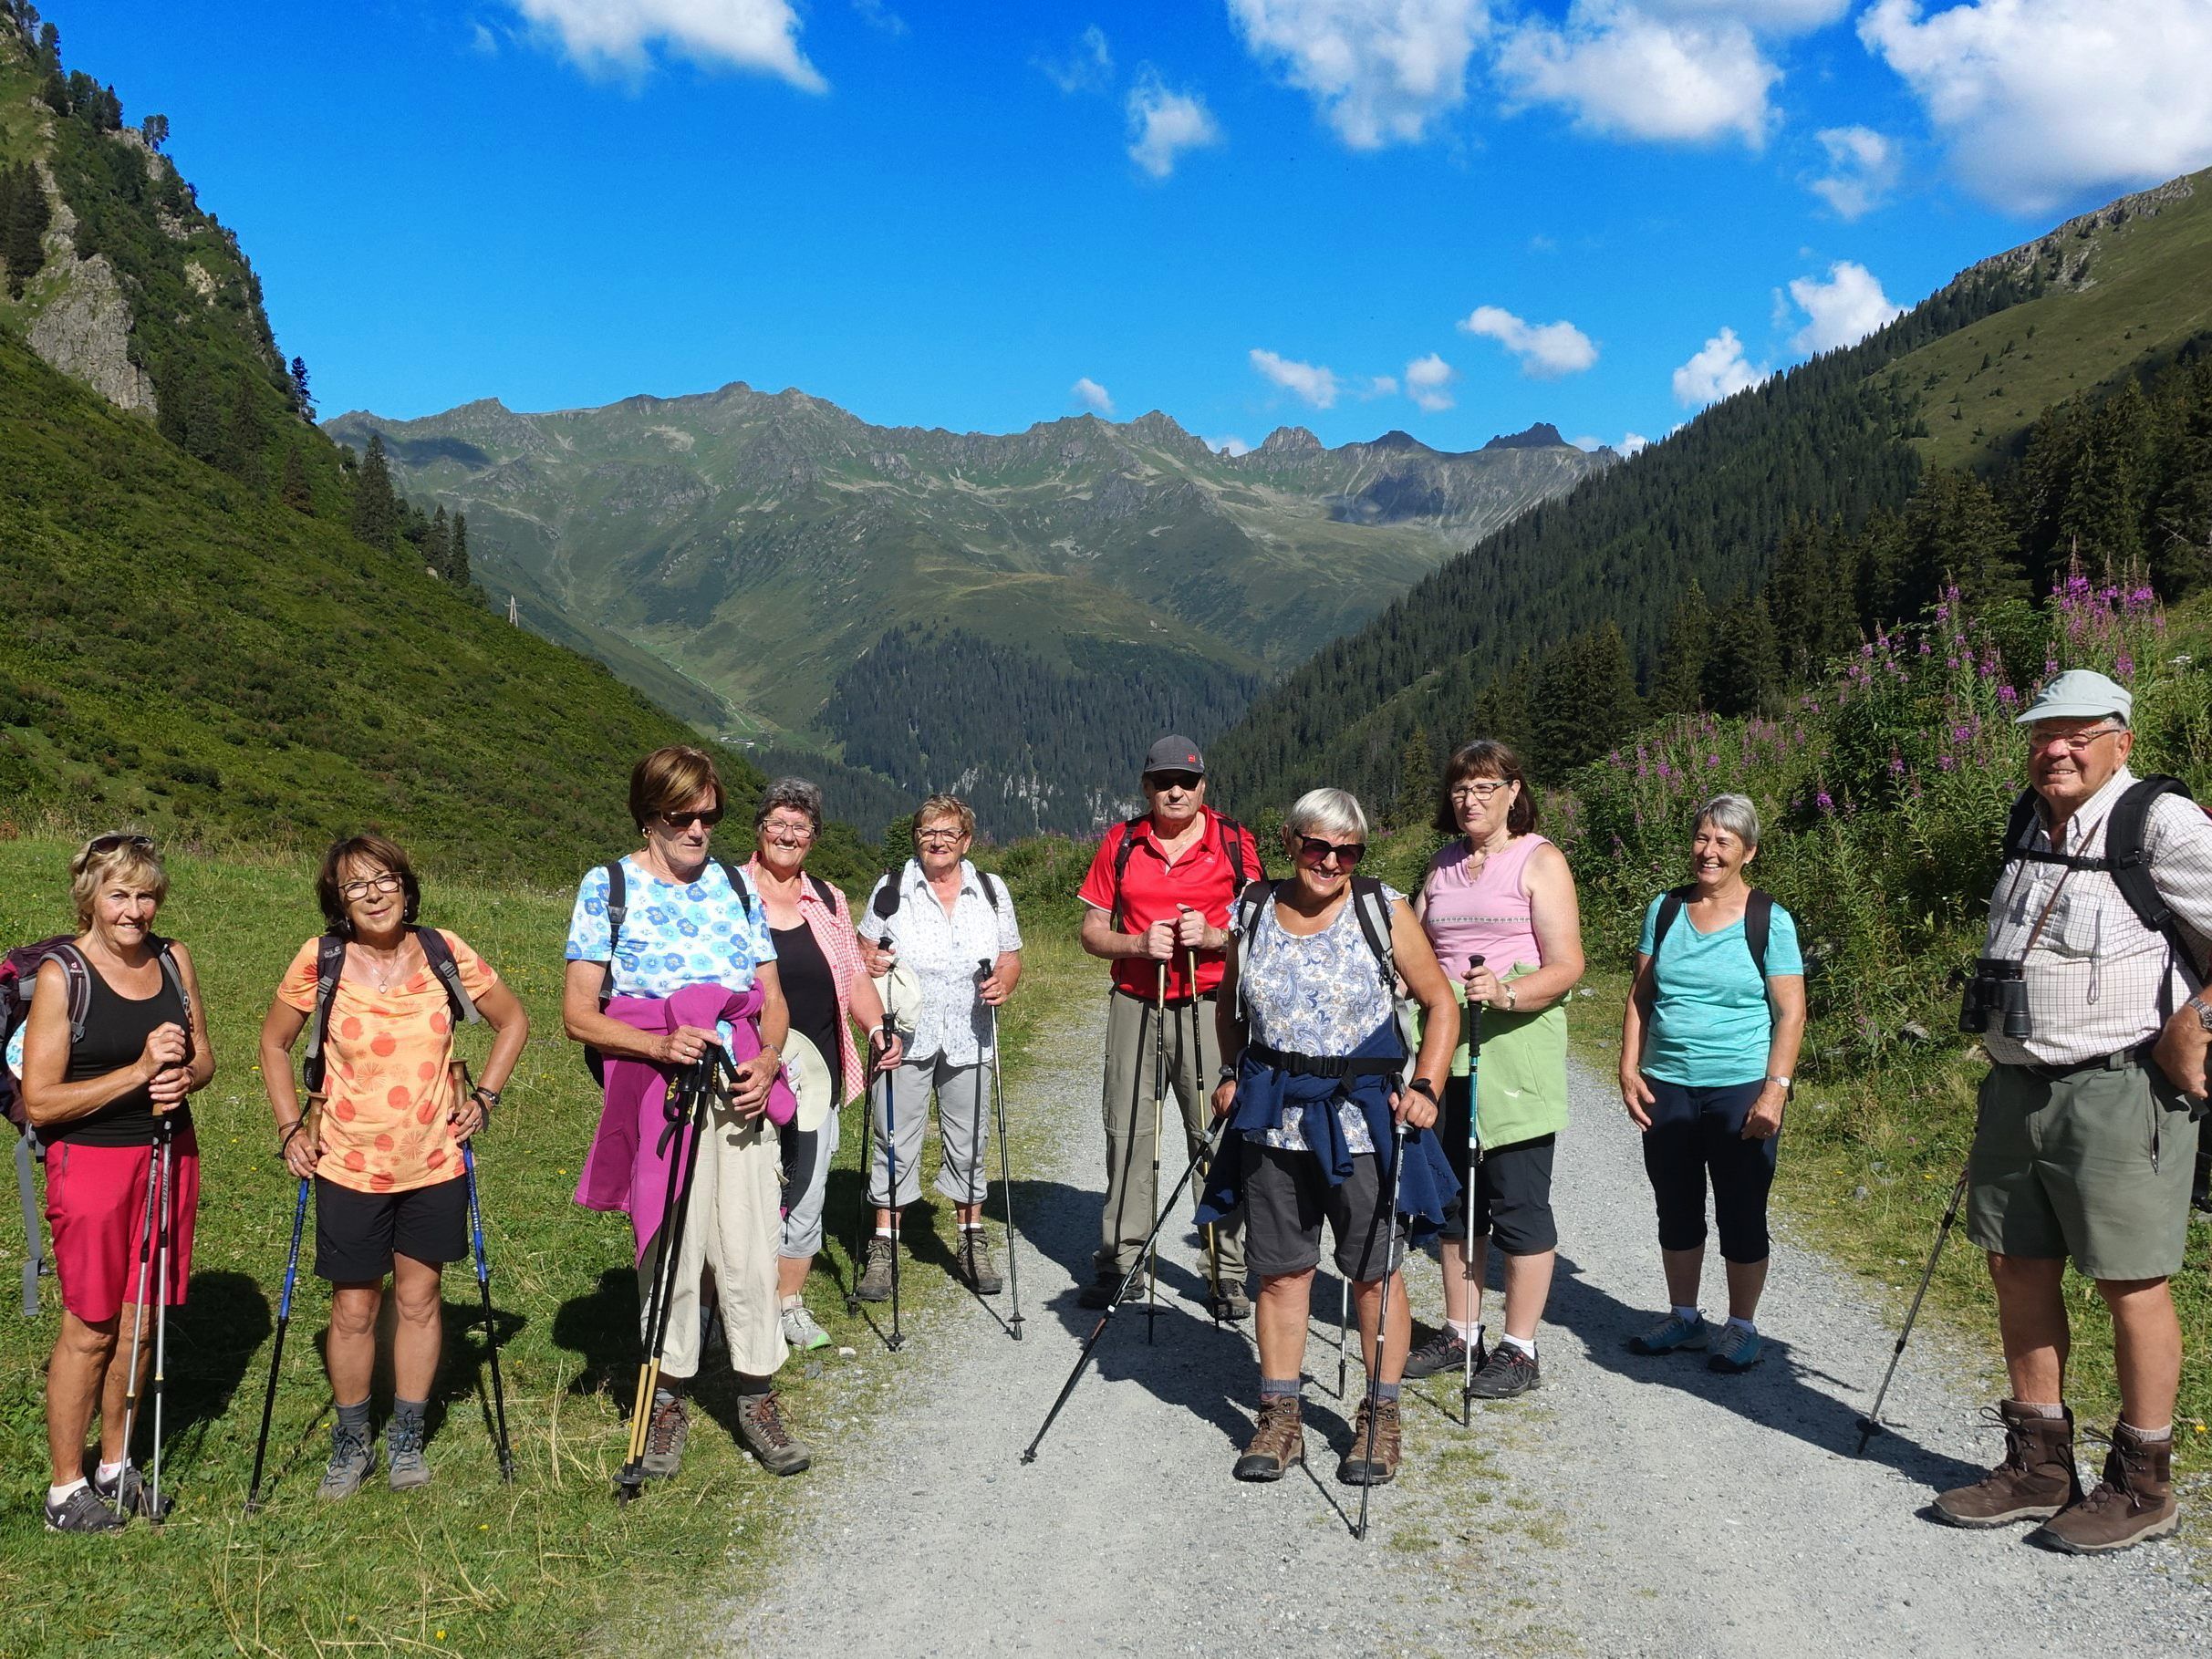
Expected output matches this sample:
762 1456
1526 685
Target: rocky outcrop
83 331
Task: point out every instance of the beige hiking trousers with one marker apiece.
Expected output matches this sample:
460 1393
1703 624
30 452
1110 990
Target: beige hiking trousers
732 1228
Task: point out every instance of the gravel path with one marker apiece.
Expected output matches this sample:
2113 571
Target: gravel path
1629 1507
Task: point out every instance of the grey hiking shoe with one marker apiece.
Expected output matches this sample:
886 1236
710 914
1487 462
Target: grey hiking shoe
666 1434
351 1460
1443 1352
1670 1334
82 1511
1507 1372
760 1424
802 1333
138 1496
1228 1301
974 1263
405 1467
876 1270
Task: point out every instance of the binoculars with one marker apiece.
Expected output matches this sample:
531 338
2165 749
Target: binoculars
1995 988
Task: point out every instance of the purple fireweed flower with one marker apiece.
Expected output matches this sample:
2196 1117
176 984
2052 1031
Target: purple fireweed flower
2007 696
1825 801
1946 762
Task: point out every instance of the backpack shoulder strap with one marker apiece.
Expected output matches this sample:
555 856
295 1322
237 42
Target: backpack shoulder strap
77 978
1252 898
822 891
1758 926
618 903
739 884
436 953
886 902
1232 843
2131 871
1121 864
1670 910
991 886
330 967
2020 824
1374 912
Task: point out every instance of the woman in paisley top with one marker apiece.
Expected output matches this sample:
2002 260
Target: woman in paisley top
1308 1010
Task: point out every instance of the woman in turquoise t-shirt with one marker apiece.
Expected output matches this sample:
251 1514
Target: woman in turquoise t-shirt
1708 1046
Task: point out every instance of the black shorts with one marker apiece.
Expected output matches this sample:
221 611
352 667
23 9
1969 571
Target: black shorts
358 1233
1286 1198
1512 1190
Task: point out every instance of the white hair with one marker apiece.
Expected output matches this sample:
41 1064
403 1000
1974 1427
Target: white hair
1332 810
1734 813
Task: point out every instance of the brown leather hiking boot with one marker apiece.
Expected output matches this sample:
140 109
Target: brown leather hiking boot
2034 1482
1277 1442
760 1424
2134 1501
973 1262
1377 1447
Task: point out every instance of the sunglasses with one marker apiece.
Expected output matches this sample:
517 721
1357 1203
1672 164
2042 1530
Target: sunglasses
1165 780
110 843
683 821
1313 850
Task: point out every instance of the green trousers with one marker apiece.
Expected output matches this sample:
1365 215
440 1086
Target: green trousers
1194 1058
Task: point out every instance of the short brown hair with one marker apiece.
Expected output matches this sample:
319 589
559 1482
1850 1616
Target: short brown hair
118 856
1486 757
368 848
946 806
668 778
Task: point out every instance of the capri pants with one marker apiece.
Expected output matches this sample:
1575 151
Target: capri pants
1697 1132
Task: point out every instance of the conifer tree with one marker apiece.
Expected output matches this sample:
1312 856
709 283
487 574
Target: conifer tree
1744 672
457 555
1585 701
294 489
1809 599
438 544
1677 687
1417 781
897 844
302 400
376 510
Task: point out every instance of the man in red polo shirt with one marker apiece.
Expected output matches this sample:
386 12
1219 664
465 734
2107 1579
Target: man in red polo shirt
1161 887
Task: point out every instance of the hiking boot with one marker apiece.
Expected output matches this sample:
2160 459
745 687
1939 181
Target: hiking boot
1099 1292
1377 1447
2035 1481
876 1270
138 1496
1735 1350
760 1424
1672 1332
1227 1302
405 1467
82 1511
1443 1352
666 1433
1277 1442
974 1265
352 1458
801 1332
1506 1372
2134 1501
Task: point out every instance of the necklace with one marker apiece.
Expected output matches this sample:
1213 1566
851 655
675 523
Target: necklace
385 968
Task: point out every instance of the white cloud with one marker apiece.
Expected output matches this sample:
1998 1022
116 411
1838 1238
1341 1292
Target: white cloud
1380 71
1229 445
482 39
1841 311
1425 380
877 15
2043 99
1375 386
1718 371
1092 395
1087 68
1621 70
1630 444
1546 350
1309 381
1163 124
760 34
1863 168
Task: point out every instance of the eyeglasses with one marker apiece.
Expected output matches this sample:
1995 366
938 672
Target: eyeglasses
940 838
1165 780
353 892
1313 850
683 821
108 843
2074 742
783 833
1481 790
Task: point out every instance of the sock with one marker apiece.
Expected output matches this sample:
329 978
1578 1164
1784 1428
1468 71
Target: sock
57 1495
1507 1338
1387 1391
108 1472
792 1300
2034 1410
406 1416
2148 1434
1468 1333
354 1420
883 1232
1688 1316
972 1227
753 1385
1279 1388
1743 1324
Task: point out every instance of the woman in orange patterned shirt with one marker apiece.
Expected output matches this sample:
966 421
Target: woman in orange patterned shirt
382 1139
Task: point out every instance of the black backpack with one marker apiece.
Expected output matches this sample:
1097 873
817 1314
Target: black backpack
330 964
617 909
2123 858
1758 923
1368 905
1232 840
18 980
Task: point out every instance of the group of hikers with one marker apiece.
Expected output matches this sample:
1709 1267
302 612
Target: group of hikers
1391 1065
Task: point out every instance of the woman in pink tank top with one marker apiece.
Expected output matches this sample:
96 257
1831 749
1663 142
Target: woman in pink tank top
1502 893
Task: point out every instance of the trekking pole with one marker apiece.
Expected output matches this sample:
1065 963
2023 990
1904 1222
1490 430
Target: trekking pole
160 1317
1382 1318
25 1188
276 1357
864 1216
998 1088
1159 1093
896 1339
1205 1151
491 1329
1344 1330
1871 1423
138 1325
1473 1307
1196 1056
690 1107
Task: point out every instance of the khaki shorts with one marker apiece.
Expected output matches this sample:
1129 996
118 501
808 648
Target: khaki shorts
2093 1164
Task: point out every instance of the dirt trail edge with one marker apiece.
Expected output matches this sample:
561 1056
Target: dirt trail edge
1629 1507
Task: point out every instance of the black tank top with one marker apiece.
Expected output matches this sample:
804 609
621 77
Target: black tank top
116 1029
810 992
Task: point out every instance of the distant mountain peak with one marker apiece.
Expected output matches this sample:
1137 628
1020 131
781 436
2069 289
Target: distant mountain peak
1396 439
1289 440
1543 435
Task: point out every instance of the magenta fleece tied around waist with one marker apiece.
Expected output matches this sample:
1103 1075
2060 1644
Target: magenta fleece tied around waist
625 1168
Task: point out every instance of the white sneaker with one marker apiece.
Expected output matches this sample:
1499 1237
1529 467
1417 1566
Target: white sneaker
801 1331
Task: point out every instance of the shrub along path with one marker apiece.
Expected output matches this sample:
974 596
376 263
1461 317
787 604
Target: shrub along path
1629 1507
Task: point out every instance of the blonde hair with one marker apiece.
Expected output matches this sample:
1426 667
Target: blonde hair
117 855
947 806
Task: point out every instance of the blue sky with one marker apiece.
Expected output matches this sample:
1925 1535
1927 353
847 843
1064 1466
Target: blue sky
1450 216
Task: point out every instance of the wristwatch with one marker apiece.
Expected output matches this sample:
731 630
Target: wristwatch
2204 1012
1778 1077
1421 1085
